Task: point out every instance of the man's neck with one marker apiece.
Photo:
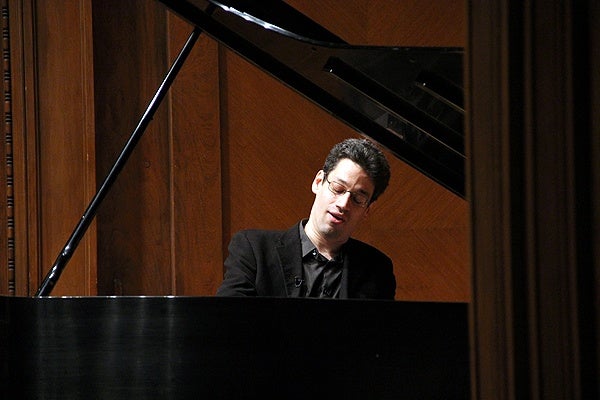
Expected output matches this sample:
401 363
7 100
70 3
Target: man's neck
326 246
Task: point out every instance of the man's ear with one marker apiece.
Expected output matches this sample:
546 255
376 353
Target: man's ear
318 181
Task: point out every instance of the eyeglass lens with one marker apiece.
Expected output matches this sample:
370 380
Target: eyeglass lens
339 189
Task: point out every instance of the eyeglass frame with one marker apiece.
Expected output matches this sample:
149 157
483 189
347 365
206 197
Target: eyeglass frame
352 194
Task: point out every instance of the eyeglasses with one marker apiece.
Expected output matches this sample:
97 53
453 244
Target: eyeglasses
338 189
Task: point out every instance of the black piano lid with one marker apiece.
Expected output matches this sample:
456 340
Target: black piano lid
408 99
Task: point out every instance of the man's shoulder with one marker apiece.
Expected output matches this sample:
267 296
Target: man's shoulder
264 234
256 233
362 248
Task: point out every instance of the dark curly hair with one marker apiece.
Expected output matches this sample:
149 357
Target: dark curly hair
364 153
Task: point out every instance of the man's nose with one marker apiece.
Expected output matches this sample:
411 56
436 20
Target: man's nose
343 200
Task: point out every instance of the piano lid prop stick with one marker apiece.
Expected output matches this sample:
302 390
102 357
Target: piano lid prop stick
67 251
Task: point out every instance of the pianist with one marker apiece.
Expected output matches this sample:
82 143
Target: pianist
317 257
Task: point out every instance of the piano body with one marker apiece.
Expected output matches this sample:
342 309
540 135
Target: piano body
194 347
232 348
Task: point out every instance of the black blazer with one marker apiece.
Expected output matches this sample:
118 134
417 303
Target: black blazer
269 263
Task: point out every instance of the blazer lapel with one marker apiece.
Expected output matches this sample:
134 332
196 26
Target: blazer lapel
345 277
290 258
352 272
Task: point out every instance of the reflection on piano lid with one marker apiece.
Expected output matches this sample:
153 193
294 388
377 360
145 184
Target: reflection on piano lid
408 99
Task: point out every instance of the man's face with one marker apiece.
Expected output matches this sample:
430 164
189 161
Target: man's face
336 216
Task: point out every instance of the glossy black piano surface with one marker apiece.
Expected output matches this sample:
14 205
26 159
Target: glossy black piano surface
231 348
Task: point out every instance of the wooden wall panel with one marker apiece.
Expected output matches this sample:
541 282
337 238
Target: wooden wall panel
7 265
21 144
196 166
272 151
391 22
134 222
66 136
160 229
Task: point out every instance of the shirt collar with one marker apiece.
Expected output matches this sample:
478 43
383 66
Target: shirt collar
308 246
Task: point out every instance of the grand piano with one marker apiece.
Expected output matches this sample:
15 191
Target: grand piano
407 99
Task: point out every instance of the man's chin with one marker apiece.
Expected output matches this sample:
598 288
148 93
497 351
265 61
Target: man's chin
333 232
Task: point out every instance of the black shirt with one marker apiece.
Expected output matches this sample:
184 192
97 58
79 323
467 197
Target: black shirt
321 277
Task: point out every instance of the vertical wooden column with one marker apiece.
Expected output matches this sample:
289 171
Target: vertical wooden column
49 136
134 236
65 111
21 146
7 271
196 188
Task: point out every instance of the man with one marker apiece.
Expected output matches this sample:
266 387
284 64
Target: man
317 257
